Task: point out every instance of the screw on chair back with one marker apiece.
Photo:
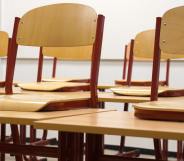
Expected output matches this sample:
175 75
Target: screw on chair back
59 25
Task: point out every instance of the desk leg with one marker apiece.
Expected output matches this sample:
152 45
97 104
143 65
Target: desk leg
134 153
102 104
71 146
122 142
165 150
94 146
3 137
16 140
179 150
157 147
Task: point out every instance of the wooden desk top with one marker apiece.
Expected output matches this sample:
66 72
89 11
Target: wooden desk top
115 123
27 118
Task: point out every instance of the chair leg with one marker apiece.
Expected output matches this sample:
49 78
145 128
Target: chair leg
180 151
122 144
157 148
134 153
70 146
165 150
122 141
126 107
94 146
16 139
3 137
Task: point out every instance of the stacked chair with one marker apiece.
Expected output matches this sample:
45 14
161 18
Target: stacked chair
34 29
128 72
81 53
142 48
168 38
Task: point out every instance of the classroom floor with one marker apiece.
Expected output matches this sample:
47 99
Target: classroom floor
110 152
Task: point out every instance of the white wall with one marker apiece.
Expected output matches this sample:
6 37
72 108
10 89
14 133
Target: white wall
123 20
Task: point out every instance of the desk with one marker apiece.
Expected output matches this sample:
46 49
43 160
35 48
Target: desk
27 118
113 123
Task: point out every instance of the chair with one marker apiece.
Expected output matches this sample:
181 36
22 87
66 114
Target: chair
142 47
4 41
61 25
81 53
168 38
123 81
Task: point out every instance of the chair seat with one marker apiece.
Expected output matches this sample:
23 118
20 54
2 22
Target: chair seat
163 91
138 82
37 101
52 86
171 109
65 80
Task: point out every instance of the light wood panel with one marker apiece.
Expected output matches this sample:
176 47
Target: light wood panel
115 123
63 80
3 43
50 86
27 118
144 91
172 33
111 97
35 101
58 25
69 53
144 46
137 82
